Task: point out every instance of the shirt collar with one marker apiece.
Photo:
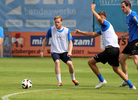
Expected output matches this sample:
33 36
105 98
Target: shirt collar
130 12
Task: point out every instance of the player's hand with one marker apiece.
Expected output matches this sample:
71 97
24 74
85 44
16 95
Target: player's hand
93 6
77 31
69 54
42 54
136 44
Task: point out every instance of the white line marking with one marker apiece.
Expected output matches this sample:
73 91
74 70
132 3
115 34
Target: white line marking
54 71
6 97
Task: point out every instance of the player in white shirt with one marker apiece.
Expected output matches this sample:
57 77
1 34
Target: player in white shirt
111 52
61 48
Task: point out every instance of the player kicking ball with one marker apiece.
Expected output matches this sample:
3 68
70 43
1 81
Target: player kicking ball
61 48
111 52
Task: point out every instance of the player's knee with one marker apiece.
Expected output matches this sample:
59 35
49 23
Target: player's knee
121 61
116 69
57 62
91 63
69 63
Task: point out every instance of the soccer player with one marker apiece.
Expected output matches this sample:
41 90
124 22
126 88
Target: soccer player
111 52
1 38
131 48
61 48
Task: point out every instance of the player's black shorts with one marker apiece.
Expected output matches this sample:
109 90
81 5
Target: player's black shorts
110 55
131 48
62 56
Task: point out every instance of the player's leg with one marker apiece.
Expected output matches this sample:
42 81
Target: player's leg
68 61
92 63
72 73
135 58
134 52
124 77
71 67
57 70
56 59
122 61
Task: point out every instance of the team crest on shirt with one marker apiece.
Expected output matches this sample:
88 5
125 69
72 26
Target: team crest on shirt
135 18
70 35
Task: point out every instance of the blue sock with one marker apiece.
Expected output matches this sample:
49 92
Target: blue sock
129 83
100 77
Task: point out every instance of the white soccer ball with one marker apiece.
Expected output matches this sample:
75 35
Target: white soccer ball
26 83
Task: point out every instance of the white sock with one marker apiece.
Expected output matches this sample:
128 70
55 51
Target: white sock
72 76
127 75
59 78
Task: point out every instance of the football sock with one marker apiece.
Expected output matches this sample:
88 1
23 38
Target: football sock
129 83
100 77
127 75
72 76
58 77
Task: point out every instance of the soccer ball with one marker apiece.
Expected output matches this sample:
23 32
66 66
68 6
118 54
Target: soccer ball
26 83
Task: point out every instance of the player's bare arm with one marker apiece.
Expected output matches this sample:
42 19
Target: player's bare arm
89 34
70 48
43 47
123 35
99 18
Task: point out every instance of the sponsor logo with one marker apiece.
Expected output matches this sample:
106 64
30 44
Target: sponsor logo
69 23
18 11
29 10
77 41
37 41
37 23
48 1
18 40
14 23
116 2
83 41
135 18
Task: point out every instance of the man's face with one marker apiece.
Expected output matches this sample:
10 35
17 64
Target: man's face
124 8
58 23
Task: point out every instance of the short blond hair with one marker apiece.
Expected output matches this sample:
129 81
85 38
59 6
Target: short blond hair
57 17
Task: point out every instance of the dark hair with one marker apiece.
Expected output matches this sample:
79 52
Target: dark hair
127 3
102 13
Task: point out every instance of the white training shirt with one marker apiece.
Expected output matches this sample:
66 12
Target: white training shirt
108 34
59 39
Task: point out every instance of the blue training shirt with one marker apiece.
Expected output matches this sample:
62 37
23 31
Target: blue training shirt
131 21
1 32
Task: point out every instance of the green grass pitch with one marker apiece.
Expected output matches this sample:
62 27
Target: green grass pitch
41 73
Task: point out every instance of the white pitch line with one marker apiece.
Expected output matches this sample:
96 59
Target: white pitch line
54 71
6 97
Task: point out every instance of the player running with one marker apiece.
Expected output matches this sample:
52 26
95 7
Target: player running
111 52
131 48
